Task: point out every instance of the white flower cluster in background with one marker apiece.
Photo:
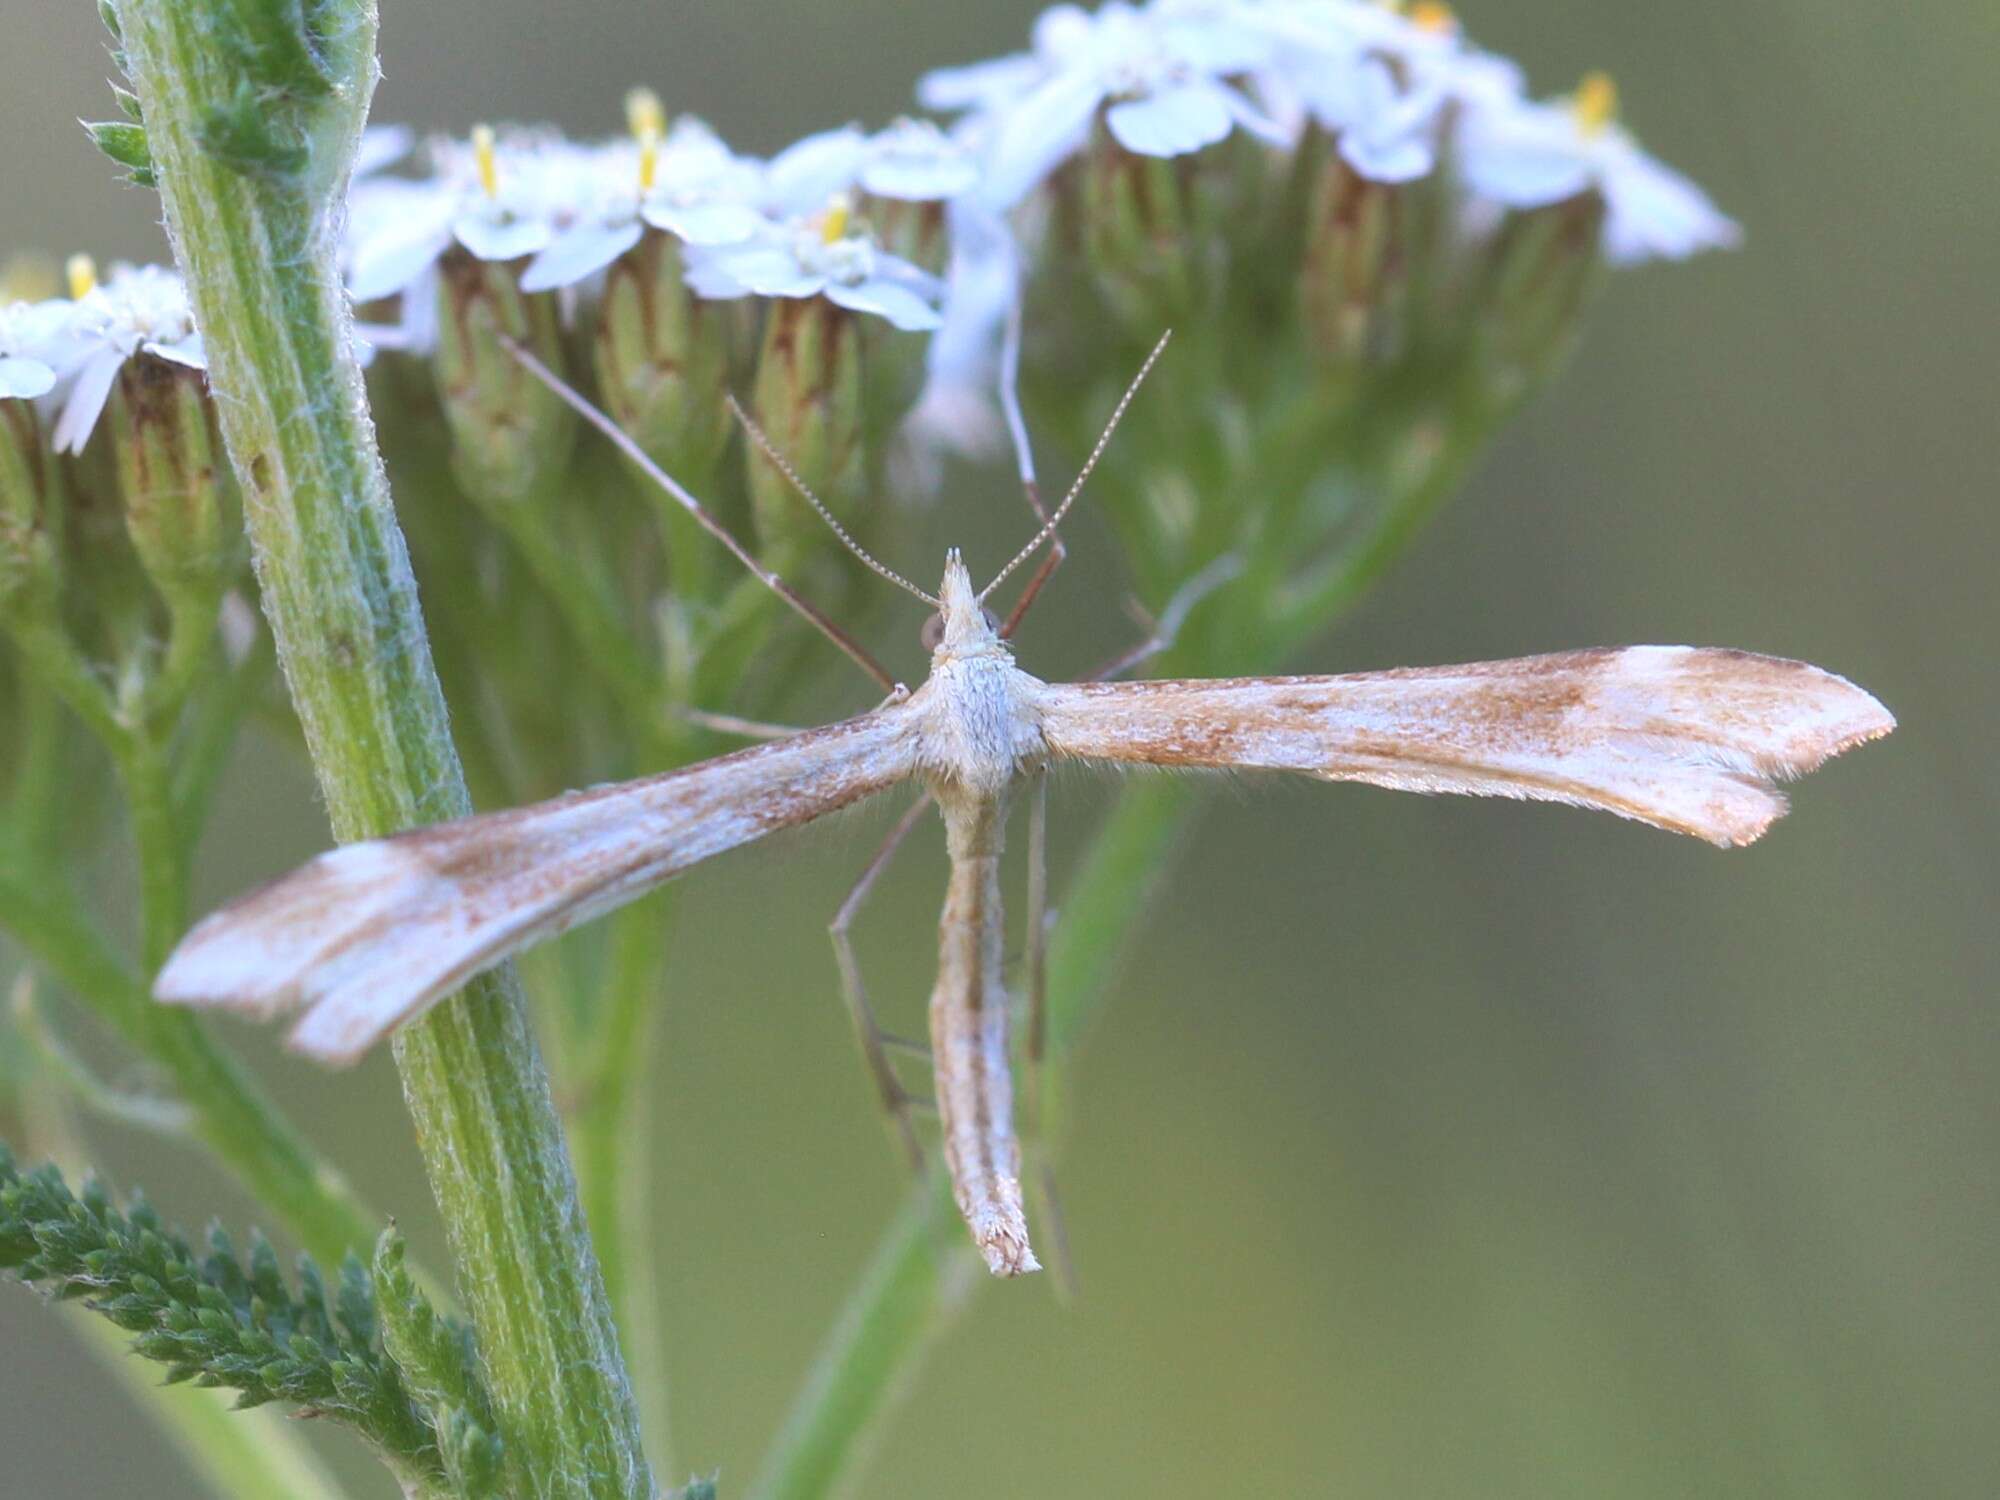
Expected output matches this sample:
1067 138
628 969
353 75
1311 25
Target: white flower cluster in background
65 353
1397 89
777 228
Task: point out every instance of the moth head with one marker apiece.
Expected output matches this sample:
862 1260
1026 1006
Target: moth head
963 626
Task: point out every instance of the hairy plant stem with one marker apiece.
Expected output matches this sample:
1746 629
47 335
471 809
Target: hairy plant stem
255 241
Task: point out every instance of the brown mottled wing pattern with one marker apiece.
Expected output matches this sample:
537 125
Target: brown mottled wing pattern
366 936
1682 738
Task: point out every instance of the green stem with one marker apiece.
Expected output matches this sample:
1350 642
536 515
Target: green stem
252 212
612 1136
157 842
920 1275
922 1269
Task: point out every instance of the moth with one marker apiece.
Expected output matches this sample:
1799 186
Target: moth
363 938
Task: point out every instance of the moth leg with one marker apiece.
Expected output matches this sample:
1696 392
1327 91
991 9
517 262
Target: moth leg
896 1100
1035 1141
1163 630
749 729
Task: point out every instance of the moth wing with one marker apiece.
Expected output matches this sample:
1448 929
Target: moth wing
1686 739
366 936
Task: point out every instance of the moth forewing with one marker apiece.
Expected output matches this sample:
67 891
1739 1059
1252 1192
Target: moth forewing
1686 739
367 936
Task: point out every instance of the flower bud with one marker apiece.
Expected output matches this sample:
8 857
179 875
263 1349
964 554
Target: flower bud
511 435
30 564
808 399
1352 273
1156 231
172 478
1542 268
662 357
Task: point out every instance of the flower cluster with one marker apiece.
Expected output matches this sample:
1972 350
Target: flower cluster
1399 93
65 353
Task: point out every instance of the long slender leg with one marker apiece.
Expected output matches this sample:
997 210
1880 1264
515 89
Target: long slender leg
896 1100
749 729
1163 630
626 445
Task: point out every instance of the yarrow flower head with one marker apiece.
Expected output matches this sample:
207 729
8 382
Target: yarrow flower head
136 310
830 255
1528 154
1162 76
499 197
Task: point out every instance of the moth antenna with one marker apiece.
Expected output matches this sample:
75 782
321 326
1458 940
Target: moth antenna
770 451
1075 489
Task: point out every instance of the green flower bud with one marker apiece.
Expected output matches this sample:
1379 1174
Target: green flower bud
1352 272
1157 233
174 484
1541 270
808 399
30 562
511 435
662 357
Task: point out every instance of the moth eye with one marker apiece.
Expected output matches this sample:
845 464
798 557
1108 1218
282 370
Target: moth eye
992 620
933 632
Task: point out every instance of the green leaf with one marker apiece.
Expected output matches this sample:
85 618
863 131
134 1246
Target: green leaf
208 1319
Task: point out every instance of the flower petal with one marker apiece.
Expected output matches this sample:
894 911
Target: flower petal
23 378
887 299
382 146
717 223
187 350
579 252
493 237
804 175
1176 120
979 85
920 178
385 265
1037 135
1655 212
86 400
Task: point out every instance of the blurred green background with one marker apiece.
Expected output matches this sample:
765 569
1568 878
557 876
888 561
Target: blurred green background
1430 1148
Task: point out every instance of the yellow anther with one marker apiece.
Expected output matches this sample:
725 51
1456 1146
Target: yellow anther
484 158
647 122
1596 103
833 223
1433 16
81 272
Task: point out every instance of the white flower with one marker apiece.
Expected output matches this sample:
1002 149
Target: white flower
686 182
1527 155
139 309
819 257
26 329
1161 77
500 198
911 160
